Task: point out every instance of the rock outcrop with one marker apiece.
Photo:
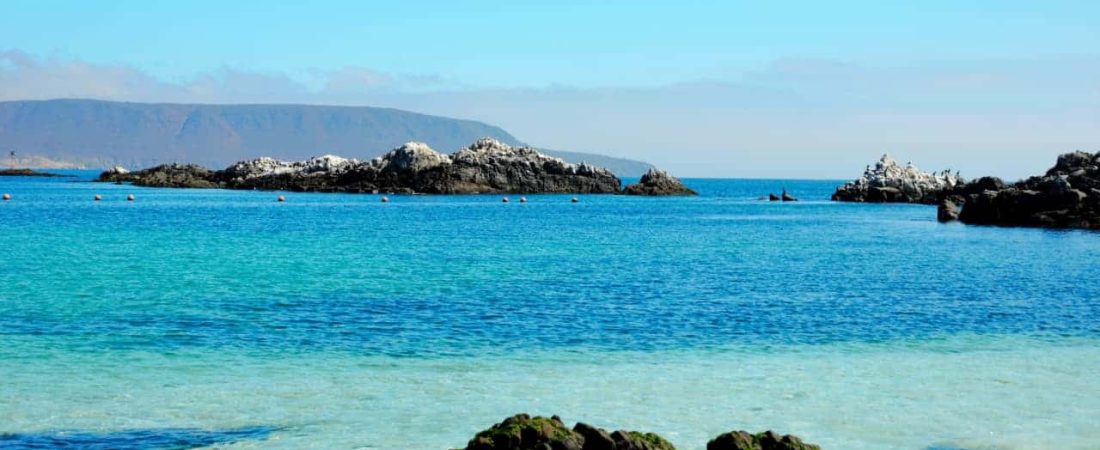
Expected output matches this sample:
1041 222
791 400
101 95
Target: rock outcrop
768 440
1067 196
166 175
657 182
115 171
948 211
890 182
523 432
487 166
27 173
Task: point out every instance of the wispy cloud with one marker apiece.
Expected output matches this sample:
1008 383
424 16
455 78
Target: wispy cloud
796 117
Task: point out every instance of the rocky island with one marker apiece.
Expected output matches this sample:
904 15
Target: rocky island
28 173
523 432
487 166
658 182
890 182
1067 196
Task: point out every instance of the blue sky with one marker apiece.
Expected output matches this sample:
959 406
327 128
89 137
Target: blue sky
705 87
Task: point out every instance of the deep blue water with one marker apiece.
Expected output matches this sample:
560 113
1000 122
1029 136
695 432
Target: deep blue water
456 275
110 289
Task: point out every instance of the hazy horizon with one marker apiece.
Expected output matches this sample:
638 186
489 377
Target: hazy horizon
704 89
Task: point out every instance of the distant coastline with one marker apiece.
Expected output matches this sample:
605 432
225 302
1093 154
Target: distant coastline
97 133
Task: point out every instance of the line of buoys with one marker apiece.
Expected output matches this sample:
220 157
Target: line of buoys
283 198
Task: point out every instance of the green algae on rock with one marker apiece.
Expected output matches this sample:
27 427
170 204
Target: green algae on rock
523 432
768 440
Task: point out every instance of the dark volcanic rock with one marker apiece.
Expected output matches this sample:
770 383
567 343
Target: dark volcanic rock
523 432
27 173
948 211
658 183
487 166
773 198
788 197
634 440
594 438
167 175
1068 196
889 182
768 440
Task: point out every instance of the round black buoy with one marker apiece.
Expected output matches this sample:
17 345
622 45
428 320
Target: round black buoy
282 199
130 198
98 197
7 196
385 199
575 200
523 199
504 200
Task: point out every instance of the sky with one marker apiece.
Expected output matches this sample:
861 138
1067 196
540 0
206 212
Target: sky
792 89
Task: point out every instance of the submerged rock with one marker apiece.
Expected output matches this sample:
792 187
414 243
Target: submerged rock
487 166
890 182
523 432
1067 196
768 440
657 182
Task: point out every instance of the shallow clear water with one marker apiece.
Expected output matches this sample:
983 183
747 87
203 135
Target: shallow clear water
224 318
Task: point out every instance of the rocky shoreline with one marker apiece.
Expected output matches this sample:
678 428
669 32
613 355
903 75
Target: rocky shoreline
523 432
486 166
1066 196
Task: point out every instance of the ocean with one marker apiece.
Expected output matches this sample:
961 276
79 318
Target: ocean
199 318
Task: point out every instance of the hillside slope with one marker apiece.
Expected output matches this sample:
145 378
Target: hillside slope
95 132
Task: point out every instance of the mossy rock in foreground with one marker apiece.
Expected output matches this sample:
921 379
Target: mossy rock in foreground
768 440
523 432
633 440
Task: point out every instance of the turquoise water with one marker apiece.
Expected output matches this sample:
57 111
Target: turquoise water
217 318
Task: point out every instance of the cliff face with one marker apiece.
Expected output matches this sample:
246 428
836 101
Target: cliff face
1067 196
486 166
889 182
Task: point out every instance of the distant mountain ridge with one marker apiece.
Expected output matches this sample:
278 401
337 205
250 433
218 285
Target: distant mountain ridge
97 132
